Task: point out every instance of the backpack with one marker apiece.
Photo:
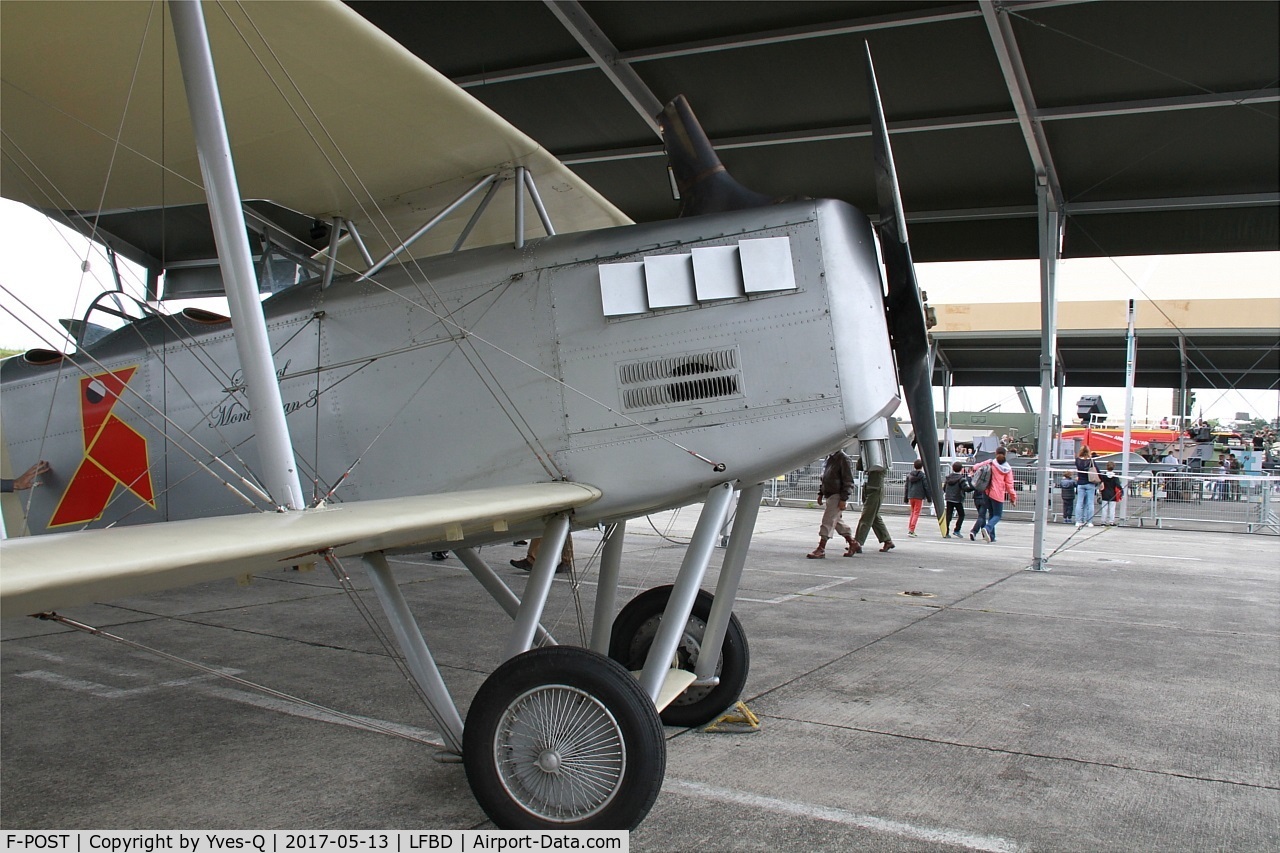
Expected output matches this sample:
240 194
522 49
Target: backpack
982 479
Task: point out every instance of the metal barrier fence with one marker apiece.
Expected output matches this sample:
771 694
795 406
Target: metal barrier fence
1251 502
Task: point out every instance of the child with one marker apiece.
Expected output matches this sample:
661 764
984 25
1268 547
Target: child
917 492
953 491
1068 486
1111 495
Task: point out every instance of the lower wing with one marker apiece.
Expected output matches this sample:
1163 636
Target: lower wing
66 569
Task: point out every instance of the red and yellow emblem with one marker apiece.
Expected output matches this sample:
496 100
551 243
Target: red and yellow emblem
115 454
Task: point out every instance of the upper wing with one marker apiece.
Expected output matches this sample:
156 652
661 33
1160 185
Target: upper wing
65 569
327 115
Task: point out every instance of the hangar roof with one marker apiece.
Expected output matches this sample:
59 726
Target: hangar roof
1225 342
1157 121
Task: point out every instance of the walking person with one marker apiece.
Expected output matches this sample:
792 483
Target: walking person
1087 480
872 498
953 491
917 492
835 488
1001 487
1112 493
980 479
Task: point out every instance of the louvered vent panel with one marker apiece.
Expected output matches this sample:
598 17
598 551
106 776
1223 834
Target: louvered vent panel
680 379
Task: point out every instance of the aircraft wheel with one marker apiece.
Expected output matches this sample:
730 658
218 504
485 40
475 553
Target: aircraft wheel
634 631
563 738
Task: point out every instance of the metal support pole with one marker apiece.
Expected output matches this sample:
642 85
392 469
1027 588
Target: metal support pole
421 665
538 587
432 223
1050 230
949 436
685 590
519 204
497 589
607 590
537 204
479 211
1062 389
1183 390
1025 399
331 262
253 345
1130 369
735 557
359 241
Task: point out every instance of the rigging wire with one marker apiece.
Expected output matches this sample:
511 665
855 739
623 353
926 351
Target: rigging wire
392 650
360 722
467 335
465 339
1172 323
145 419
178 333
1166 141
530 437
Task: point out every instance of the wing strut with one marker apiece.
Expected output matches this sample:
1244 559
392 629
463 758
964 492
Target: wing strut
230 234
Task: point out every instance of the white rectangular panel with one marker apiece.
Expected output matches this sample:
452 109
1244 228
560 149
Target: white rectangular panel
622 289
669 280
717 274
766 264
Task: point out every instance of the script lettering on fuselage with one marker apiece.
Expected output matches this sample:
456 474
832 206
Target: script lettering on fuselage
235 412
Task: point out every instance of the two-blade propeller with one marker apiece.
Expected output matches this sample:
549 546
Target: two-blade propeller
706 187
908 328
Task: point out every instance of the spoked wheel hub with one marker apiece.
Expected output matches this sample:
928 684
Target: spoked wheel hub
560 753
563 738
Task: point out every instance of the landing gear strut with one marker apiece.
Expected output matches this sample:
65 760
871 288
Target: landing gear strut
633 633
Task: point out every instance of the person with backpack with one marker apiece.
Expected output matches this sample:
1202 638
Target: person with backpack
917 492
953 492
980 479
997 475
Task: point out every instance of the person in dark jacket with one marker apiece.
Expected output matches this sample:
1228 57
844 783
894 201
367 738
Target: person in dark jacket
954 488
1111 493
1068 486
835 488
916 494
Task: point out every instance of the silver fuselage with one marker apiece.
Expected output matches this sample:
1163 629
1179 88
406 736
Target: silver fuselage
495 366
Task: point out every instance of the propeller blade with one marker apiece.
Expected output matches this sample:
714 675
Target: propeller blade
908 328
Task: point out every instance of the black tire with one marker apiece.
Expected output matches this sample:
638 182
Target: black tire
563 738
633 633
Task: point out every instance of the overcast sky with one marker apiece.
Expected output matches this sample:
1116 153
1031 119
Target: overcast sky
41 265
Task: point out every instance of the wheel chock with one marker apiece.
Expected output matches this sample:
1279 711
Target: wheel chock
737 720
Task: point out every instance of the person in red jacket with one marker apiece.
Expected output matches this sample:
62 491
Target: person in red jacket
1002 487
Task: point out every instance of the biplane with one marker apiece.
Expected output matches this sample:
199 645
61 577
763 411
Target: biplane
433 368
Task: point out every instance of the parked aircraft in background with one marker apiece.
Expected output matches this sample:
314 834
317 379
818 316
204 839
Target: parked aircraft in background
434 370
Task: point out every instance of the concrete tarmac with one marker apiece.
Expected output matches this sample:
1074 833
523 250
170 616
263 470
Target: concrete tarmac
1128 699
